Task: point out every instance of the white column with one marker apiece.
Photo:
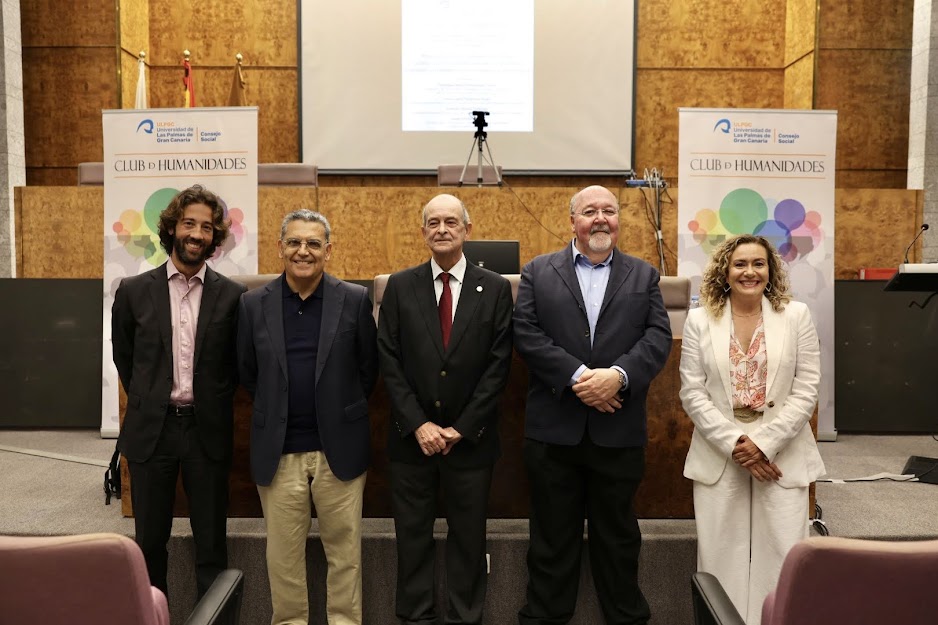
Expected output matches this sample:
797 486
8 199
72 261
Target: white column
12 135
923 119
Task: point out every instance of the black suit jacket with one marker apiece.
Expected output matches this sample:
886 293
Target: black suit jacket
142 340
457 387
346 371
552 335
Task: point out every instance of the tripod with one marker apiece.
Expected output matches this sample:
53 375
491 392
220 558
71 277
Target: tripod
480 145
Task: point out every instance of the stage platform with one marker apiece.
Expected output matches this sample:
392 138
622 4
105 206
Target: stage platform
52 484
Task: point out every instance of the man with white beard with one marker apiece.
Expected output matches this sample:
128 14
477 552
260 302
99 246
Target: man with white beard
591 325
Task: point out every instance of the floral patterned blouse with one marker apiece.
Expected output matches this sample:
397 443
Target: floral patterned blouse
749 370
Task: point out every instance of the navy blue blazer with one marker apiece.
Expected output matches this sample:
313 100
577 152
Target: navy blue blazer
142 339
552 334
346 372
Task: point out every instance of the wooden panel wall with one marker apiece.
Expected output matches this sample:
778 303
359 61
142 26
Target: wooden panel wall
377 229
69 75
84 54
799 83
864 71
265 33
800 43
710 34
702 54
870 90
133 36
800 29
874 227
134 27
660 92
709 53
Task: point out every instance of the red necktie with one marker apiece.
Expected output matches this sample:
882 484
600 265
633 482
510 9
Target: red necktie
446 309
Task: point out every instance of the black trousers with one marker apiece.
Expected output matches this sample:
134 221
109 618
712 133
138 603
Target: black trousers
568 484
153 490
414 489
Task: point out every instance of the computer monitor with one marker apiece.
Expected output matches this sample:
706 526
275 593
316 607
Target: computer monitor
499 256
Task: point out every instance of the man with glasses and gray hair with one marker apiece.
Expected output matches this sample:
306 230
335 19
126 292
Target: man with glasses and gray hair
308 357
591 325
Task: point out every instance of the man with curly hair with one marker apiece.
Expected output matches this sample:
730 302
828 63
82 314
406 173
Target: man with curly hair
173 334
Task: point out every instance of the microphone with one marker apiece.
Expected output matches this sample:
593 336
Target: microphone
908 249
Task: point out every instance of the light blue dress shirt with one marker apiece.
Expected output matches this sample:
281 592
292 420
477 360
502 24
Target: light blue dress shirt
593 280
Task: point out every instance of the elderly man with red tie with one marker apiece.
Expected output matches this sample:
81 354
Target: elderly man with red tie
444 347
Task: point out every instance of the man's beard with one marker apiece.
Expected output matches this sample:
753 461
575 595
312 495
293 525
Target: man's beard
600 241
183 254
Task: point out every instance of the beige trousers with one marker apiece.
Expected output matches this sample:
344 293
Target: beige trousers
287 515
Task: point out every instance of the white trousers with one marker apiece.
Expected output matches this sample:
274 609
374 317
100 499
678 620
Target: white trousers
745 529
287 512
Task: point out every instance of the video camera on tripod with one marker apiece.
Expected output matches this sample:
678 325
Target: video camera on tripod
480 146
480 123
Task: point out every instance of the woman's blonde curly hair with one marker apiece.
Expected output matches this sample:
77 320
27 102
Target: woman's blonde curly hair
713 297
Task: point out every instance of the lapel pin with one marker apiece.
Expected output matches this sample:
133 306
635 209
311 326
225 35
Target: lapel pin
479 288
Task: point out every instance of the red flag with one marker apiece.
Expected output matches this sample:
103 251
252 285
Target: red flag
189 87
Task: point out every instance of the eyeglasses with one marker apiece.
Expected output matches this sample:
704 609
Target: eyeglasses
313 245
592 213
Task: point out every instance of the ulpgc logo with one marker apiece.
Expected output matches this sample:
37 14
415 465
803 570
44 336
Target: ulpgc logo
147 126
723 125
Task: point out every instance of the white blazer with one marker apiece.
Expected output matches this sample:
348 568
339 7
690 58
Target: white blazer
794 373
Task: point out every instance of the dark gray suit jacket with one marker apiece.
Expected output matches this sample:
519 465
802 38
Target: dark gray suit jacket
458 386
552 335
346 371
142 338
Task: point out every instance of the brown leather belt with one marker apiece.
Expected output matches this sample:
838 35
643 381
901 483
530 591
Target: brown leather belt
746 415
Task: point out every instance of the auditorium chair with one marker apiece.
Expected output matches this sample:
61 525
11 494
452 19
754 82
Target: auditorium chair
96 579
448 175
838 581
90 174
253 281
675 291
268 174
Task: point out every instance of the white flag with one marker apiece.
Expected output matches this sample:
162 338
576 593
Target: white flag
141 101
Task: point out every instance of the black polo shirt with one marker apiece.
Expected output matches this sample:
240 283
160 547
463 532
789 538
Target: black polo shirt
301 322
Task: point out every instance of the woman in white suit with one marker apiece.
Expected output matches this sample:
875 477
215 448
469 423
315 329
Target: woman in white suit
750 368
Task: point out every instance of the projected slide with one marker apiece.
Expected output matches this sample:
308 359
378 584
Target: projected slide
457 57
389 86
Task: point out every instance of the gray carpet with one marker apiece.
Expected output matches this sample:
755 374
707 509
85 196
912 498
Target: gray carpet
53 496
883 510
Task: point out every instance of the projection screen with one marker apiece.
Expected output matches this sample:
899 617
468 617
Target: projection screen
389 86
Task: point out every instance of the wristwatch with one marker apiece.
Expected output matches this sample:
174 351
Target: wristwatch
621 380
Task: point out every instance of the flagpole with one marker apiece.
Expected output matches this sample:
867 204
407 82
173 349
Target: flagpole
236 95
140 100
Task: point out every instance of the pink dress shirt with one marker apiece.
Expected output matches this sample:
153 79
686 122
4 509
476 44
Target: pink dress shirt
185 299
